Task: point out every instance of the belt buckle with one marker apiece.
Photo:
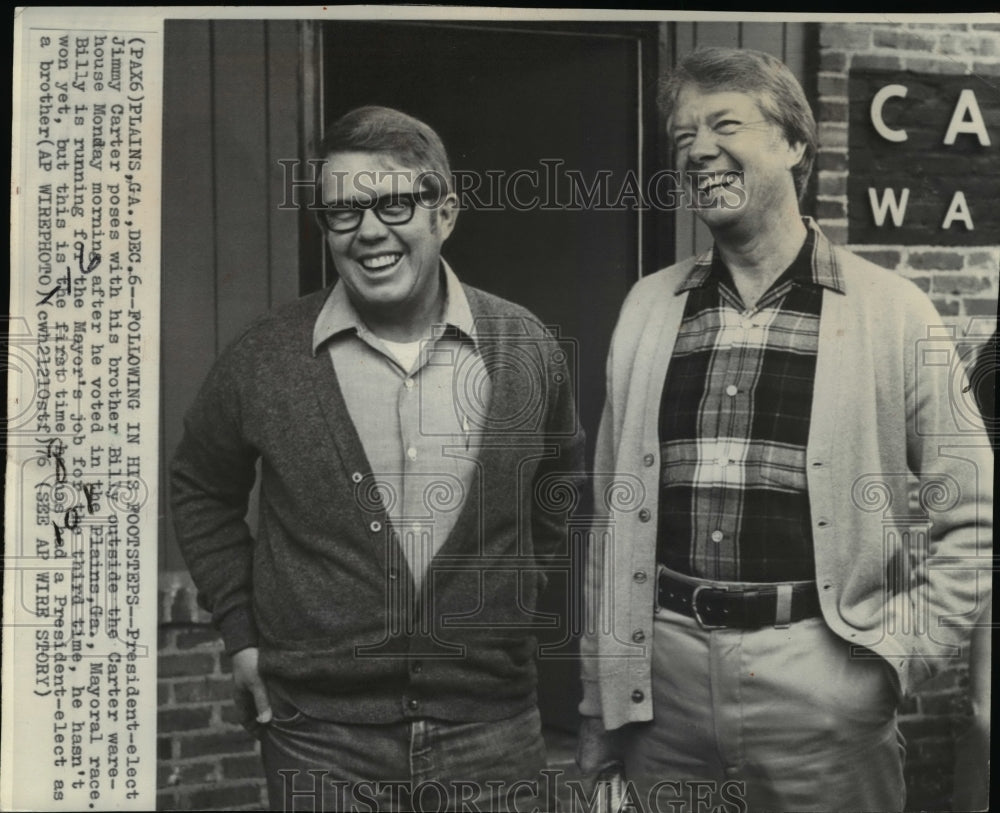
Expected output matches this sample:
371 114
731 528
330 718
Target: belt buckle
697 615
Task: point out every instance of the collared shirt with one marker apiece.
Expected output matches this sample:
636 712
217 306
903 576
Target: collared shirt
734 420
419 427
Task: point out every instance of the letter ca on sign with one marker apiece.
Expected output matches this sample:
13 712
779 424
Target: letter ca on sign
966 119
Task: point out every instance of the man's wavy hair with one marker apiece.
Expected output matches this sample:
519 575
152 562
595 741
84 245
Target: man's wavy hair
382 130
776 90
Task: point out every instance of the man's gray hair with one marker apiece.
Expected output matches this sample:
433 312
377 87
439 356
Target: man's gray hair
778 93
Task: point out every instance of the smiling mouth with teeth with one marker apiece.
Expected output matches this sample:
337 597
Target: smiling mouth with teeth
719 185
727 181
380 262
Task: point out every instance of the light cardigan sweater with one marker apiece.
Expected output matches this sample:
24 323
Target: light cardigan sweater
885 387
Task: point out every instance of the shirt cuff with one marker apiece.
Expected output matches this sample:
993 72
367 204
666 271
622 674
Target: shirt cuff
239 630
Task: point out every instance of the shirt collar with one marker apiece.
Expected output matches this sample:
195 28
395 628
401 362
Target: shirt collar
338 314
821 269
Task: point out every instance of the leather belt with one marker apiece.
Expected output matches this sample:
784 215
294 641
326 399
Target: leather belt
718 606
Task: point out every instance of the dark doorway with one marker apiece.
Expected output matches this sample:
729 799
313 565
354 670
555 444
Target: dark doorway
538 101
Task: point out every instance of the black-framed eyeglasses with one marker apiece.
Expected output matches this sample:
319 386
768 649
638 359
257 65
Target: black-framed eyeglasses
392 210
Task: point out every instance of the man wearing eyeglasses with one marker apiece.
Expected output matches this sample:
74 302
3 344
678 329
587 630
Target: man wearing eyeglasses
406 427
774 591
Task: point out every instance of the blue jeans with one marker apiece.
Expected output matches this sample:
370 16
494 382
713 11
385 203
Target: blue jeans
423 765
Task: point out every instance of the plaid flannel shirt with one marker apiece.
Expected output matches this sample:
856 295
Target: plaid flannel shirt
733 425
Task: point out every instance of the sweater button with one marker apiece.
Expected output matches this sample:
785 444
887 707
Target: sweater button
376 526
644 515
357 477
648 460
416 667
639 576
638 696
413 704
638 636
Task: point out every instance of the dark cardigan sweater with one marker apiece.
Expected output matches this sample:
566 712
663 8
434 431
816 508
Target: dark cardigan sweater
323 590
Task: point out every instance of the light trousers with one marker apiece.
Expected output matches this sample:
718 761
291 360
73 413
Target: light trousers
789 713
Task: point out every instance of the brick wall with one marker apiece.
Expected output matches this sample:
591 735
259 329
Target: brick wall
961 281
206 761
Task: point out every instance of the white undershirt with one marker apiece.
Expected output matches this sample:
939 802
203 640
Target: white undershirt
406 353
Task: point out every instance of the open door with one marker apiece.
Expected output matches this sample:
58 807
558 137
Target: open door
521 110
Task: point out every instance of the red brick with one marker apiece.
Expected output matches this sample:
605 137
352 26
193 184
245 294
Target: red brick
182 608
959 284
165 773
935 260
192 663
198 637
944 704
980 307
832 135
986 259
167 800
230 714
908 40
920 728
923 283
946 307
885 258
206 690
184 719
986 68
248 767
163 693
851 37
832 61
877 62
225 797
234 742
164 748
833 111
225 664
830 208
985 26
832 85
164 638
830 184
966 45
942 65
832 161
987 46
955 44
170 774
